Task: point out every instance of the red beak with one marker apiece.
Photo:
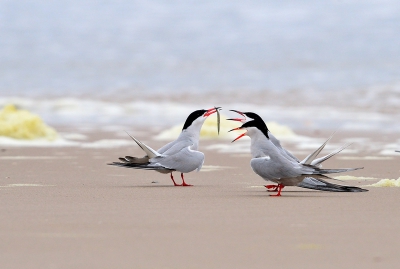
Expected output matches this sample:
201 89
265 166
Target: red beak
211 111
240 136
237 119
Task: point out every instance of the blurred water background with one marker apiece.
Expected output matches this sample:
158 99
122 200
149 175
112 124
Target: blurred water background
319 64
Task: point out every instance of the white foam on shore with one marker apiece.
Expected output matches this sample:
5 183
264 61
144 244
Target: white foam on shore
107 143
70 111
35 157
210 168
374 158
25 185
59 142
390 152
89 111
73 136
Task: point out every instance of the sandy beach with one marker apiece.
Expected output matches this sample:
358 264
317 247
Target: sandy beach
76 76
63 207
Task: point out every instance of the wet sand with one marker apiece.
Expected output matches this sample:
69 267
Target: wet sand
68 209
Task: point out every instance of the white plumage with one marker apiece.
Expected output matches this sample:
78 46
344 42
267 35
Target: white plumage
180 155
274 163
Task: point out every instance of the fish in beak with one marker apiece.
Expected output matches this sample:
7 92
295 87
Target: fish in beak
212 111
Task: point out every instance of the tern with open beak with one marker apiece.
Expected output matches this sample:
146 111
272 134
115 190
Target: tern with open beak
310 159
273 163
180 155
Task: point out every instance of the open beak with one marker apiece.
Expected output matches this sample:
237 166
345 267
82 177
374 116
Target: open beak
240 136
211 111
238 119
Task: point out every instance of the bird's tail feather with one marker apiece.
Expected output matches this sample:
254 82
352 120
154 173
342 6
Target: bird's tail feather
312 156
146 166
322 185
134 160
332 171
318 161
151 153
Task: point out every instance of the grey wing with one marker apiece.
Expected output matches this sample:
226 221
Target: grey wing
185 160
272 169
283 151
175 147
166 147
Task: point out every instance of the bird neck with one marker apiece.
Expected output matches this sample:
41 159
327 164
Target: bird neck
191 135
261 146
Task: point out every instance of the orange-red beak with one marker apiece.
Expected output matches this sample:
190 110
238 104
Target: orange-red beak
211 111
238 119
240 136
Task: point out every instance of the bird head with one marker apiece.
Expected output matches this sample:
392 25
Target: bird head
247 116
197 118
255 124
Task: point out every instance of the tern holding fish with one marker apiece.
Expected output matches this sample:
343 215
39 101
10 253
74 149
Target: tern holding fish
181 155
273 163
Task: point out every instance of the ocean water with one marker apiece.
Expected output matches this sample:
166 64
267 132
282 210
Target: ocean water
324 64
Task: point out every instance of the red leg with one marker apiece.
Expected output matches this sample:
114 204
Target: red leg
172 177
183 181
273 187
280 187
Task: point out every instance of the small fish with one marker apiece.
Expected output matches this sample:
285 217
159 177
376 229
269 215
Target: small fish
218 118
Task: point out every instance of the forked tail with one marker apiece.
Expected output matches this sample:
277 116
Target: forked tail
144 166
322 185
332 171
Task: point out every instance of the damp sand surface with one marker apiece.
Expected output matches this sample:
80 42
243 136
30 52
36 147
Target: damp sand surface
70 210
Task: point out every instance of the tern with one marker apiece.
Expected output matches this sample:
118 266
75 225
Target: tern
310 159
180 155
273 163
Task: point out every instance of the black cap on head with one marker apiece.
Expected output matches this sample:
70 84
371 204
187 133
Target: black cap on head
192 117
258 123
252 115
